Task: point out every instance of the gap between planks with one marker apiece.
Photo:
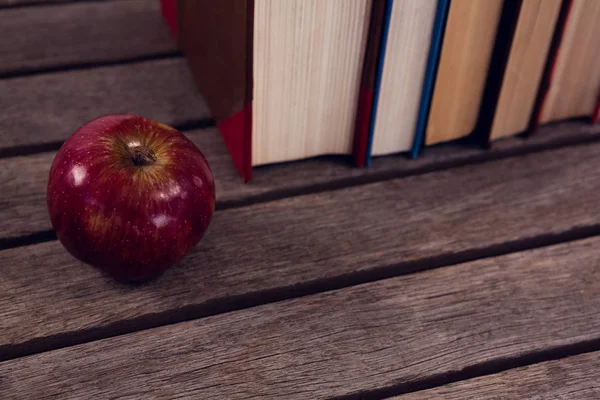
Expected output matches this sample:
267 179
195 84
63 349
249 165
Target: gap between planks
396 334
27 220
32 149
453 381
63 36
454 216
163 90
574 377
8 4
78 66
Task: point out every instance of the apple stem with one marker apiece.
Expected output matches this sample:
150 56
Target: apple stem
141 156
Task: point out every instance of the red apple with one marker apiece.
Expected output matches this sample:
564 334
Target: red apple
130 196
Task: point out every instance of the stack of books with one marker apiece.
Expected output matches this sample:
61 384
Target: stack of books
292 79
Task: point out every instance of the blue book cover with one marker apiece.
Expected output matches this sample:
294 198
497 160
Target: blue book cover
378 74
432 62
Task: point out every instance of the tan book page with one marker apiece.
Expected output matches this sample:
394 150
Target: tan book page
525 66
408 44
575 83
464 61
308 58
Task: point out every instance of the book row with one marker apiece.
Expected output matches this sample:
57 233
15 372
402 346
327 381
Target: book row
293 79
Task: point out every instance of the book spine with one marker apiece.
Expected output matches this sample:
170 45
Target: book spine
439 25
168 9
387 12
216 39
550 65
495 77
596 114
366 93
248 94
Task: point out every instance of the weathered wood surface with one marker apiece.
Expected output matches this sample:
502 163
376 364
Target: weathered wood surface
305 244
17 3
376 335
53 36
572 378
49 107
24 179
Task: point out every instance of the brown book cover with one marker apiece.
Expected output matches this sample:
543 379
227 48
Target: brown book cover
216 39
572 82
464 62
521 52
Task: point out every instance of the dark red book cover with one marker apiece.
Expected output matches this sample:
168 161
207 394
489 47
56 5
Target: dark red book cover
596 115
216 39
168 9
367 86
550 65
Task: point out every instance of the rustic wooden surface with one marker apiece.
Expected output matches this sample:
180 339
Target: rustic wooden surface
465 273
572 378
324 239
48 108
17 3
24 179
81 33
377 335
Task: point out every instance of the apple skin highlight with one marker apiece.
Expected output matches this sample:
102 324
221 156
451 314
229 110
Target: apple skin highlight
130 196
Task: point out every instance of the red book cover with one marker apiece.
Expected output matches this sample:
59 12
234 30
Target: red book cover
169 12
367 86
596 115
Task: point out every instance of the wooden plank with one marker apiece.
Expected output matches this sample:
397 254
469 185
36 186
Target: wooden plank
50 107
570 378
382 334
53 36
304 244
24 179
20 3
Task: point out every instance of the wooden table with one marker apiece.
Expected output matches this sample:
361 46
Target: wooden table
463 274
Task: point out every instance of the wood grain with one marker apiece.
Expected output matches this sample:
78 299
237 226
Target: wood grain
572 378
50 107
23 179
304 244
17 3
33 38
382 334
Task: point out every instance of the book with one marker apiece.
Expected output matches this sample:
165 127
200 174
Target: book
281 77
168 9
411 33
430 75
522 51
467 46
379 18
572 82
